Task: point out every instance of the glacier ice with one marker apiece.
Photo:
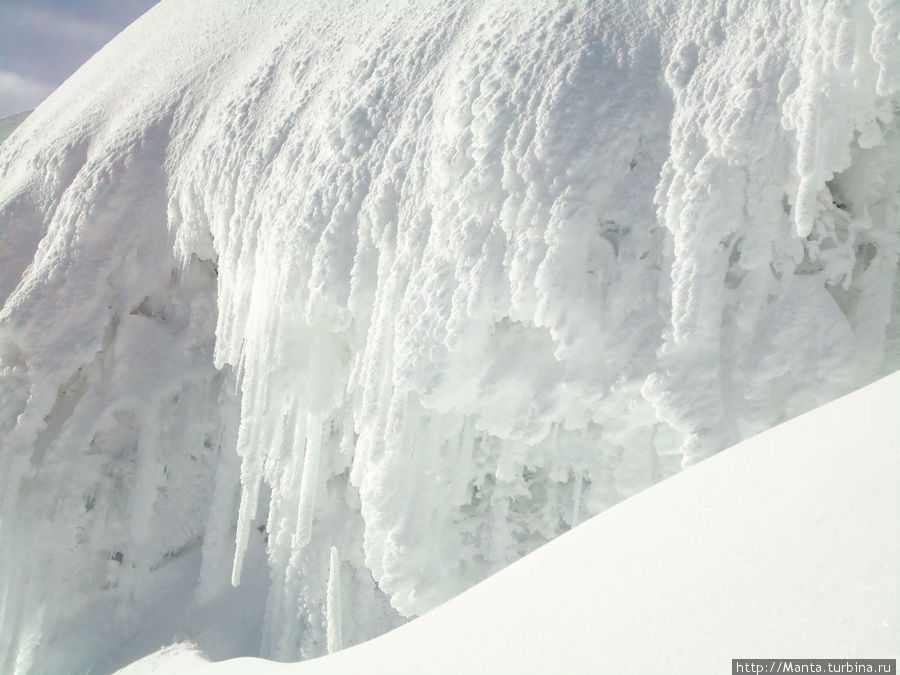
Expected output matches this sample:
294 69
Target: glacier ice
352 308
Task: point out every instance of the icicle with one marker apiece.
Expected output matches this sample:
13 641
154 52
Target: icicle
885 46
308 482
251 475
280 623
219 522
333 603
808 151
253 437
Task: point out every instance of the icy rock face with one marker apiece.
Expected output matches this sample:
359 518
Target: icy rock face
396 294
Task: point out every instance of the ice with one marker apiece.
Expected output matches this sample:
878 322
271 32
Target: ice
663 582
333 602
424 285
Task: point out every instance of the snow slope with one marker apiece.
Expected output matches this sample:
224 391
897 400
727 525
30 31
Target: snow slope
783 546
393 293
9 123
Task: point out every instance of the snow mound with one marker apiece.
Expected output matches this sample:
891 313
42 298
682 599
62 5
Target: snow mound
783 545
358 305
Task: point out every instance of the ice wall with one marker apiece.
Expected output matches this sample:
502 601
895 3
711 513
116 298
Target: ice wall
355 305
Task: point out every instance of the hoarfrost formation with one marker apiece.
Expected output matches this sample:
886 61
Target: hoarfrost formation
355 305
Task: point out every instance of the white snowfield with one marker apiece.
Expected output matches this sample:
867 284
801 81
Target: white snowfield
784 546
315 314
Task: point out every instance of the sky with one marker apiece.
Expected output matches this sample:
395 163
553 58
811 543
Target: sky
42 42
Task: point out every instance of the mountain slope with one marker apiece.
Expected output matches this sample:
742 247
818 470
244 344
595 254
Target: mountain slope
783 546
9 123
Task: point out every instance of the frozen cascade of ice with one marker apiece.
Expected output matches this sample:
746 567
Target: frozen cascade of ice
356 307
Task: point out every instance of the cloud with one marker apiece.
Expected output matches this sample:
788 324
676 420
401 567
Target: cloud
42 42
21 93
57 25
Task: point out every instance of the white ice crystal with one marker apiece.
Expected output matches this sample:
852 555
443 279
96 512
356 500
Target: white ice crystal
423 284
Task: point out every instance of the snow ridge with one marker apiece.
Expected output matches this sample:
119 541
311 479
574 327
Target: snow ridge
360 306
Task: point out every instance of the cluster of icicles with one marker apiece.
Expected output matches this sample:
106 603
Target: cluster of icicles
441 296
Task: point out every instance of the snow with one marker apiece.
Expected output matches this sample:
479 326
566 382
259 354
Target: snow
9 123
784 544
423 285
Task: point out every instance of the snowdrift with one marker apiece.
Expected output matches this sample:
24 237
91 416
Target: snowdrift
352 306
784 545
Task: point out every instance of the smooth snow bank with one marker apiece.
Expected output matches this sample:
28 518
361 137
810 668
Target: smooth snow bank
357 303
784 545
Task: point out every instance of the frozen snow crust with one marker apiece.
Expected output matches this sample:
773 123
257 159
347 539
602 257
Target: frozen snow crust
359 303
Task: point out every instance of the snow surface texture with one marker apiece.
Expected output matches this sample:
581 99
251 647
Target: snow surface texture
357 304
799 556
